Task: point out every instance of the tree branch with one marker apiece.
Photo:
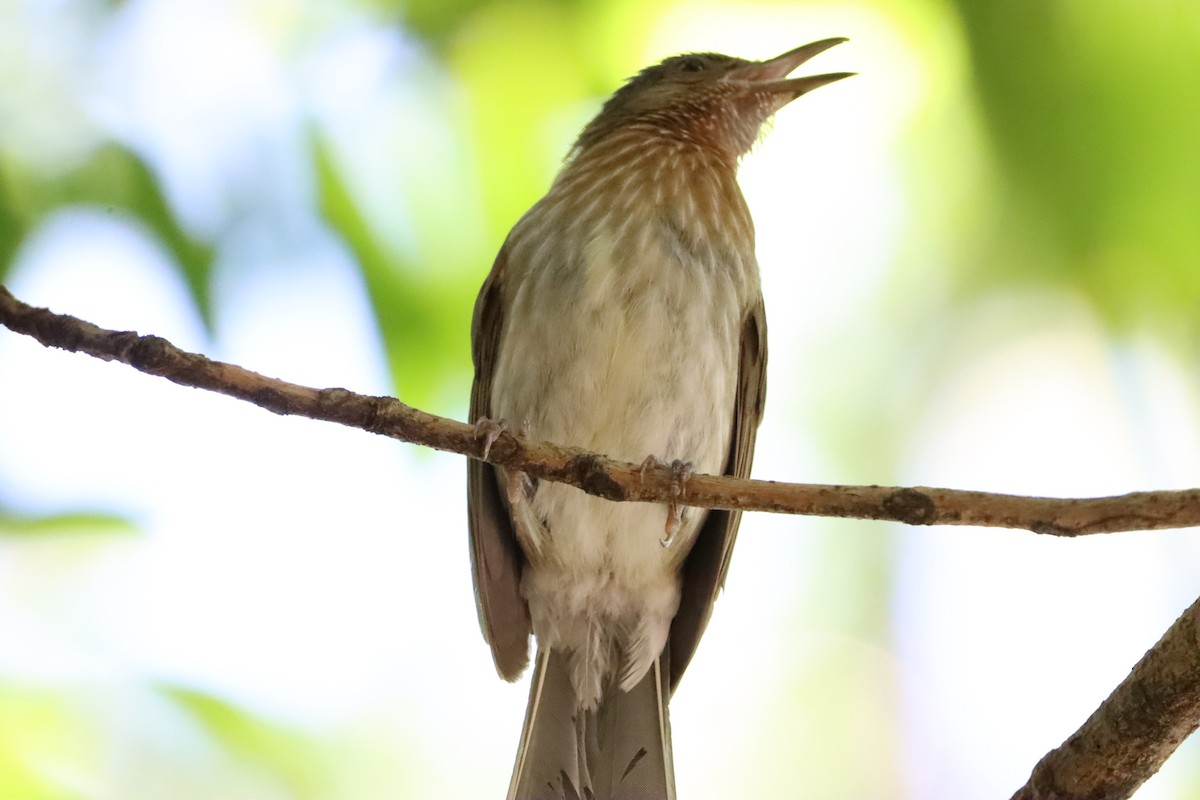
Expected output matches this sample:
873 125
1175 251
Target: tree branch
597 474
1135 730
1117 749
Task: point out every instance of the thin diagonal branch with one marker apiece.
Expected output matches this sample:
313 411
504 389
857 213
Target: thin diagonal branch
1135 730
597 474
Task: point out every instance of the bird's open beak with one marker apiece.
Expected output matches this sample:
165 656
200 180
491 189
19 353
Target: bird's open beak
771 75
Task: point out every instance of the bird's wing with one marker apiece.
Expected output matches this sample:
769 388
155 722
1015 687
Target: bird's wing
706 565
496 558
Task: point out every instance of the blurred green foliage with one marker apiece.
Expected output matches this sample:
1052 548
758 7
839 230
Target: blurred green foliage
86 523
112 178
1091 112
410 303
1091 183
1087 110
37 725
296 761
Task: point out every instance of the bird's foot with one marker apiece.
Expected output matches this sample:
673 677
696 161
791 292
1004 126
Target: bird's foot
650 463
680 472
519 485
521 488
489 430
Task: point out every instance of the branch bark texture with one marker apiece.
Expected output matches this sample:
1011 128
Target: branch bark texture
594 473
1135 730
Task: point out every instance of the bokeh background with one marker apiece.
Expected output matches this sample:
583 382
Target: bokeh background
981 259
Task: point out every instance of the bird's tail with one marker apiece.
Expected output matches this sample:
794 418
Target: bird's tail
619 751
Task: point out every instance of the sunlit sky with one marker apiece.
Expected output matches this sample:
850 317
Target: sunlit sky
319 576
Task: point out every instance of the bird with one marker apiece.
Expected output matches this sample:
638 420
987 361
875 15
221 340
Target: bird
623 315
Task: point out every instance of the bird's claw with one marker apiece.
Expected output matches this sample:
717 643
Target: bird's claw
489 430
650 463
680 472
520 488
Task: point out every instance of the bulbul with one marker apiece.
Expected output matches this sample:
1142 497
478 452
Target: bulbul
623 315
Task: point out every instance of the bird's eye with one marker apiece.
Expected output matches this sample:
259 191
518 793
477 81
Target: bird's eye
691 64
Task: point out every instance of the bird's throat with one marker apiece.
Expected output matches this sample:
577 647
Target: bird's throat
637 178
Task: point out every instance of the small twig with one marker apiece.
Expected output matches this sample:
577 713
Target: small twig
597 474
1135 730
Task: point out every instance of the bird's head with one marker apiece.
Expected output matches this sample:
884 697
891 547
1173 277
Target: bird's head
711 99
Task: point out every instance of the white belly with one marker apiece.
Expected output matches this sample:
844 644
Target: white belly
642 360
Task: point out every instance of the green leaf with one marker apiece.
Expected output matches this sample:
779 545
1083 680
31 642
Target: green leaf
114 178
416 310
286 755
436 20
1097 144
12 228
42 738
80 523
